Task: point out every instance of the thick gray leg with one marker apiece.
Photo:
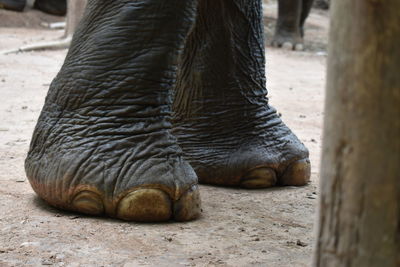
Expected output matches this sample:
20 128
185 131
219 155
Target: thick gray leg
307 5
102 144
224 124
289 29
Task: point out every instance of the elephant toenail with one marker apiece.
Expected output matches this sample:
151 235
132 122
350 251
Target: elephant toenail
188 207
299 47
297 174
88 202
259 178
145 205
287 46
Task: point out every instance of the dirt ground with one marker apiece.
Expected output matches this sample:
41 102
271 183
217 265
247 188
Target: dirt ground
271 227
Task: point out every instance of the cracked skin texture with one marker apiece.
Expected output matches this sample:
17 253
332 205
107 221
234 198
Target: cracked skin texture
224 124
110 141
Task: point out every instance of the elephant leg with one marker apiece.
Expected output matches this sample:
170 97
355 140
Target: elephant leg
305 11
103 142
288 32
54 7
224 124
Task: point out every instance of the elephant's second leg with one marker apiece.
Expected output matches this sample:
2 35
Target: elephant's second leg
229 133
305 11
103 142
288 32
55 7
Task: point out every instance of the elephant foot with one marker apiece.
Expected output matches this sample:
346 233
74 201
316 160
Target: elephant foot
127 168
288 41
103 143
140 190
254 153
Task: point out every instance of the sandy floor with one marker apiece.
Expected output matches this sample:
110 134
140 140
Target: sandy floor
271 227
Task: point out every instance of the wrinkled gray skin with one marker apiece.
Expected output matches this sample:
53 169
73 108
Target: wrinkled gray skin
322 4
110 139
289 31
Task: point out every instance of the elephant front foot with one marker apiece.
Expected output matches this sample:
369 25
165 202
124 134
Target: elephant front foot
288 40
254 153
103 143
102 169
